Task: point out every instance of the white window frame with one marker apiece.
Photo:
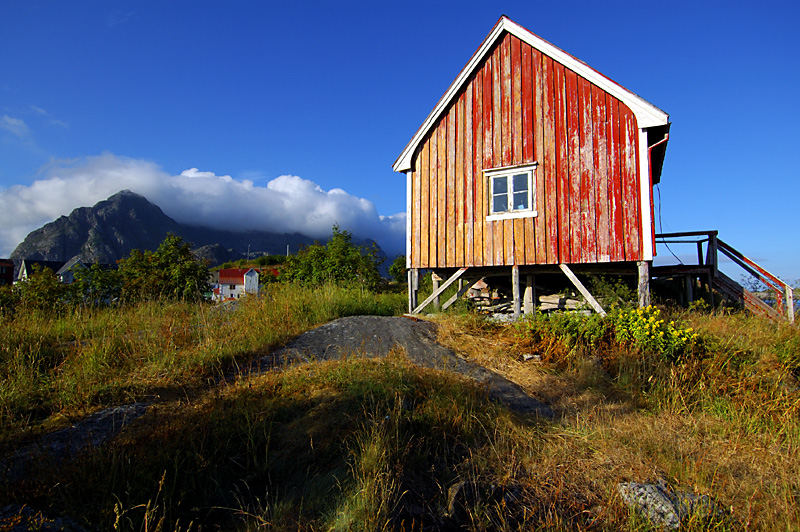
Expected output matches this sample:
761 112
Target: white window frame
507 171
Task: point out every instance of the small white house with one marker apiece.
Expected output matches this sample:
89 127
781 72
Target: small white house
235 282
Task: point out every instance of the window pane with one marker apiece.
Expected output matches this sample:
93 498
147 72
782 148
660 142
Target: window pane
520 200
500 203
521 183
500 185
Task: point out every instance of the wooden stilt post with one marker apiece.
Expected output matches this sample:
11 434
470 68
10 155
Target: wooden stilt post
410 277
789 303
413 288
515 290
644 283
529 297
435 281
689 286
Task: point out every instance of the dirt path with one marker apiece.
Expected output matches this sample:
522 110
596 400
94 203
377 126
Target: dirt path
377 335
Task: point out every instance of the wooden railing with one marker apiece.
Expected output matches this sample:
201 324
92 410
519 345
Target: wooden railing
709 262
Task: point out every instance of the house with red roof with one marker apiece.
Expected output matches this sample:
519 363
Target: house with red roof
233 283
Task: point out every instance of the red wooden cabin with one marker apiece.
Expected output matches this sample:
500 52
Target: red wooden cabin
532 160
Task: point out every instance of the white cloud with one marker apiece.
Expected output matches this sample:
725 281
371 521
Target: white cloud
15 126
284 204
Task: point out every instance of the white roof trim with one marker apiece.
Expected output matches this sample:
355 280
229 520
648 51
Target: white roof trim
647 114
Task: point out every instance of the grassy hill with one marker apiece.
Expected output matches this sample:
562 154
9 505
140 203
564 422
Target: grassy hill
382 444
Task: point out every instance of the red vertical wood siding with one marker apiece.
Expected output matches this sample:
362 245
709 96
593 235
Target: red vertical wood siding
520 107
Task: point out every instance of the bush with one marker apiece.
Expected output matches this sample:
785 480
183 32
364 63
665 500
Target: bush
645 330
397 271
338 261
171 272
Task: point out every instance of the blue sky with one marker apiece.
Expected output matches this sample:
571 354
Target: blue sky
245 92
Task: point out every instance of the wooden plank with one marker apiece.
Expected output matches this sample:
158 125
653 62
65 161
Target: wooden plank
505 101
574 161
441 171
497 145
488 157
438 291
551 209
630 193
425 206
615 216
469 183
517 137
582 289
588 221
434 198
477 174
562 163
526 93
497 109
460 196
539 233
416 203
601 174
450 252
517 134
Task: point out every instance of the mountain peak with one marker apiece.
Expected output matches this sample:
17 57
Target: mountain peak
109 230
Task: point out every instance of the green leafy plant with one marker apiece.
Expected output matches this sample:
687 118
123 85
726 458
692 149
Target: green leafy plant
644 329
397 271
338 261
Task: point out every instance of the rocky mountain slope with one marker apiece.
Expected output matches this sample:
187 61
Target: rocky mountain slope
113 227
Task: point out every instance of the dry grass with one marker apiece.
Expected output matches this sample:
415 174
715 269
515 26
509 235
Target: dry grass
363 444
724 424
54 368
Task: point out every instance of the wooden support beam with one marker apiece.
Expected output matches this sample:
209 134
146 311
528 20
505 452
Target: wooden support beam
582 289
643 288
789 304
530 296
462 289
515 290
435 279
689 287
438 289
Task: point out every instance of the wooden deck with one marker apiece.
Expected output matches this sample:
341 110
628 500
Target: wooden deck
707 272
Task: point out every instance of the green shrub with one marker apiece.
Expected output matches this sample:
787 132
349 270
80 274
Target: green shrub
337 261
645 330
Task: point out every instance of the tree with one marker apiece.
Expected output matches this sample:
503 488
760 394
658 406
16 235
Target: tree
170 272
95 286
337 261
397 270
41 290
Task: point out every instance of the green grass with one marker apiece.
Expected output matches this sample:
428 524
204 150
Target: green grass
86 359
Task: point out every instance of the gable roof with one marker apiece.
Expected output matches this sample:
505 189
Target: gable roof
234 275
647 114
26 267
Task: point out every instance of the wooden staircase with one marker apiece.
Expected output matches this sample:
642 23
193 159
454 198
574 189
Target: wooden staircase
707 271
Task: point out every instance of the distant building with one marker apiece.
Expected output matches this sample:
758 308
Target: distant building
28 266
6 272
233 283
